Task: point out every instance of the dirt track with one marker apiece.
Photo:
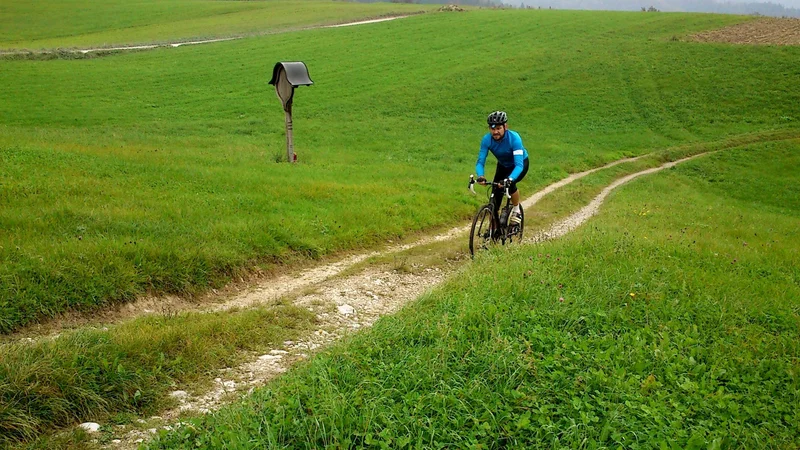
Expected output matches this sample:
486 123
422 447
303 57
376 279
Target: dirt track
764 31
107 50
342 305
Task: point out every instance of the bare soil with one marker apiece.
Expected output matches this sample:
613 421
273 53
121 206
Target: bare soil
764 31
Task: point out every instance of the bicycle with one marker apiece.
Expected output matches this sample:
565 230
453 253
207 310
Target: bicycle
490 226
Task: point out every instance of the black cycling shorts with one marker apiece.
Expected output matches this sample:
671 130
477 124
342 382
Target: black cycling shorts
503 172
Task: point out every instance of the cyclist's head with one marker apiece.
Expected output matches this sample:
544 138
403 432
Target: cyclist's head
497 124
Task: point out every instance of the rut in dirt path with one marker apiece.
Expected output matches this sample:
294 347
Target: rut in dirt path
575 220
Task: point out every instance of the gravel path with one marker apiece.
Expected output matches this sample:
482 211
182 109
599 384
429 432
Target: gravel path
342 304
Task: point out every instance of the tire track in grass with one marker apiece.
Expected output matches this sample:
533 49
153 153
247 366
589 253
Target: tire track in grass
346 304
275 289
175 44
270 289
342 305
577 219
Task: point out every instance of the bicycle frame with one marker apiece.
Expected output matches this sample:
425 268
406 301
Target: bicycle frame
495 211
497 230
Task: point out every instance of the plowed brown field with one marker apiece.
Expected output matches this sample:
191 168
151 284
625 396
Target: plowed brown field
764 31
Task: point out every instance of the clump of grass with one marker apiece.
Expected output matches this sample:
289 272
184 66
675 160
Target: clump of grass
93 374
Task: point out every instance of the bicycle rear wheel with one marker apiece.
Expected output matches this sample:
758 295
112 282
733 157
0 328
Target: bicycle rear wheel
480 236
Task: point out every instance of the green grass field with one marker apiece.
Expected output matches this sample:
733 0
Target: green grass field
669 321
156 171
52 24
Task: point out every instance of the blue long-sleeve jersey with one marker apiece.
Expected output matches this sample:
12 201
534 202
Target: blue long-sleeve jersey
508 151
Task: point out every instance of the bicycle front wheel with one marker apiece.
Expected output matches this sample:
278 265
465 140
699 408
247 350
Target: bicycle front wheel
515 231
481 234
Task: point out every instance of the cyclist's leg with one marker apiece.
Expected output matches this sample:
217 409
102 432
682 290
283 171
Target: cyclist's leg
516 214
500 174
513 188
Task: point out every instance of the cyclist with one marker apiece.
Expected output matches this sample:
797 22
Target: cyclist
512 160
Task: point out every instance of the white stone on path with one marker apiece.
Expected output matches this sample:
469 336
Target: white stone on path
91 427
346 310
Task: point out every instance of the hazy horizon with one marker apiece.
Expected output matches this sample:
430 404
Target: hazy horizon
793 6
786 3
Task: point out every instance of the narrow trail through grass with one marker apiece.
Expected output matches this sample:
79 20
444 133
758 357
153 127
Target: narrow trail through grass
71 53
249 374
152 173
149 174
343 291
114 23
271 289
647 327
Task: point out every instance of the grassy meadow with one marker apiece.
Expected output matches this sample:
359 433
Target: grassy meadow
161 172
668 321
158 171
50 24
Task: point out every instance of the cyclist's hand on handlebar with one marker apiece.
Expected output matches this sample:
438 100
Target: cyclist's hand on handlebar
481 180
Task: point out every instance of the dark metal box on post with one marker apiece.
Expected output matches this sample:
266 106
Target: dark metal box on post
285 77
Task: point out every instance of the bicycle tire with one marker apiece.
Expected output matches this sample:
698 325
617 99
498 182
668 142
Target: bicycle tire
513 234
480 235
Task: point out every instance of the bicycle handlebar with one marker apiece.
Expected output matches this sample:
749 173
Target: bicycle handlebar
472 182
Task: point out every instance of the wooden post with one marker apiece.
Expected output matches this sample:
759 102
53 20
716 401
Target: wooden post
285 92
289 140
